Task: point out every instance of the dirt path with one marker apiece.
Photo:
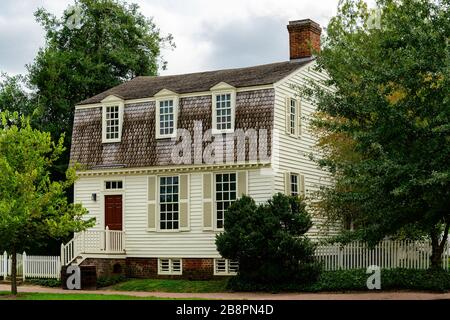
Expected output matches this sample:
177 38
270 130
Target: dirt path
252 296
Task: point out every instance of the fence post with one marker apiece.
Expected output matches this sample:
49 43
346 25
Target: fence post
24 269
62 255
5 265
107 239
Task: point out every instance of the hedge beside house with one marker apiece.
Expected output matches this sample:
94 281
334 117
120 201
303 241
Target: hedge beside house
355 280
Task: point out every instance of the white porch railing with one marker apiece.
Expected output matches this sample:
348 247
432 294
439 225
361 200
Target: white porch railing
387 254
93 242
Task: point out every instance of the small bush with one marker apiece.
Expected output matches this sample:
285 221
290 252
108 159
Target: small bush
52 283
269 242
110 280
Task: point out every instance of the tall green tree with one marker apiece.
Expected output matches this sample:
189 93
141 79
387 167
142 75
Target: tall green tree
13 95
32 206
94 46
385 125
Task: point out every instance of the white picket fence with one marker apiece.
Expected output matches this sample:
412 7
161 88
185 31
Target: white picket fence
45 267
387 254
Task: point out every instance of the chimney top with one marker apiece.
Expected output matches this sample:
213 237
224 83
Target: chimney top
304 38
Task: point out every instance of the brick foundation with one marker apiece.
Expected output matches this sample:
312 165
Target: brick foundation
107 267
198 268
193 269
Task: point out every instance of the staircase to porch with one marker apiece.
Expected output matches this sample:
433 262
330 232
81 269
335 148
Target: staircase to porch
93 243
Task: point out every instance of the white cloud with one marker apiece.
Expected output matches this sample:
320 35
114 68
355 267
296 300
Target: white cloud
208 34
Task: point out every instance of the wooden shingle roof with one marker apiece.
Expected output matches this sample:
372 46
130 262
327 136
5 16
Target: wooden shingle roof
145 87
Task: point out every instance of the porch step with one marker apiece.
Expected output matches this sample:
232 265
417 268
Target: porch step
77 261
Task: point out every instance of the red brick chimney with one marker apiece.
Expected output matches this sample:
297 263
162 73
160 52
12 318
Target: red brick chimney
304 38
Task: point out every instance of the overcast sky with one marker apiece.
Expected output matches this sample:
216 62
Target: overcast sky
209 34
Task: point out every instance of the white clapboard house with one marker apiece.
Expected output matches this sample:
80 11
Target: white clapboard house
163 157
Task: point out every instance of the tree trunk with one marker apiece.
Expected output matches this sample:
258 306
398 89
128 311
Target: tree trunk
437 247
13 272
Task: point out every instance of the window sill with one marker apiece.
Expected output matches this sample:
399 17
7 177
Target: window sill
294 135
170 273
111 141
171 136
167 231
217 132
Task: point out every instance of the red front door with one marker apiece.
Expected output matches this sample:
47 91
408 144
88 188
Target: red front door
113 212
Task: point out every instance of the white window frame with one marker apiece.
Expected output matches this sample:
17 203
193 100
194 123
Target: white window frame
221 89
113 181
112 101
293 128
166 96
158 204
171 270
297 175
215 196
297 124
301 188
227 271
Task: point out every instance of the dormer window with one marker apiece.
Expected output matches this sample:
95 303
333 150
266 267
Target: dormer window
112 123
223 111
112 119
223 108
166 114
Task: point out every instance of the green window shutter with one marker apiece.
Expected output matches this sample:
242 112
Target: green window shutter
302 187
299 118
287 183
208 201
151 214
242 183
184 202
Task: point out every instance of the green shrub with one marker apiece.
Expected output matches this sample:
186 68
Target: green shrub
269 242
355 280
433 280
53 283
391 279
107 281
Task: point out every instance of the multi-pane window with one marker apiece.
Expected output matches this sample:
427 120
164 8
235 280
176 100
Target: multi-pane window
166 117
294 184
112 123
292 116
113 185
223 112
225 195
168 203
170 266
225 267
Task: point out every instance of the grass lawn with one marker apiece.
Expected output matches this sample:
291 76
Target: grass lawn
72 296
187 286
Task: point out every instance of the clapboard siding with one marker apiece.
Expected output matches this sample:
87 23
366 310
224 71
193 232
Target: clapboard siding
260 186
293 154
195 243
83 190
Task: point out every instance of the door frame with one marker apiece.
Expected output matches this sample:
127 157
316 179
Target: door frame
104 193
104 211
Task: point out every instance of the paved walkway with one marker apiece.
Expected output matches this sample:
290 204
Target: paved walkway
403 295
